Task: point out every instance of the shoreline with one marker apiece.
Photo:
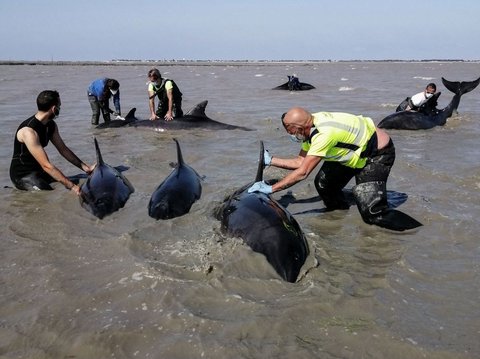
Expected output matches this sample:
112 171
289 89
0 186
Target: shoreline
212 62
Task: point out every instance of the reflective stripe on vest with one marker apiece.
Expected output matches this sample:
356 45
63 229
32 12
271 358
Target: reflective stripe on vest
352 147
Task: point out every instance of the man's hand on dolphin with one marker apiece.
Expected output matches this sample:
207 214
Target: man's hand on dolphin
260 186
90 169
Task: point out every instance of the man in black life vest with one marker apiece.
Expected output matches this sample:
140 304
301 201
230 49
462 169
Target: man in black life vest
169 97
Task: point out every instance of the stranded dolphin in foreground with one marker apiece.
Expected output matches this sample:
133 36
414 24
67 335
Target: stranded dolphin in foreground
176 194
106 190
431 117
195 118
266 227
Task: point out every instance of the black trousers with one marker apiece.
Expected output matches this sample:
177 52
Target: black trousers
97 109
36 180
333 176
162 109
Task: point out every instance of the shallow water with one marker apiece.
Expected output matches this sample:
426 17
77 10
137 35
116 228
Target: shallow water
129 286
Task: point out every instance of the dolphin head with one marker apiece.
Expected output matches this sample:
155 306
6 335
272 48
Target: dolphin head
104 206
99 206
162 209
168 203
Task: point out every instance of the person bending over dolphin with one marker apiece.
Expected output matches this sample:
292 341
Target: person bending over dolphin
169 97
99 93
351 146
30 167
416 102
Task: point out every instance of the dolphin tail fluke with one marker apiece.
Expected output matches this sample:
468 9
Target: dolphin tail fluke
304 86
179 153
460 88
99 154
261 161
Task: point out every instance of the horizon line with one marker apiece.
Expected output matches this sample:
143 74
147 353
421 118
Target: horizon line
200 61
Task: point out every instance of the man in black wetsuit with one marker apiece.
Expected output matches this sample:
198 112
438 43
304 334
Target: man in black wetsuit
31 168
169 97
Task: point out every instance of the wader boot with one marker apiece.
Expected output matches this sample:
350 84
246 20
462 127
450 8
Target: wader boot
95 109
371 198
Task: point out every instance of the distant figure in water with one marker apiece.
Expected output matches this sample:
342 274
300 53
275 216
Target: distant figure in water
293 83
416 102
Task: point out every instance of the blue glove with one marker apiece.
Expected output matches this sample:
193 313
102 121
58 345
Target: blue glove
260 186
267 159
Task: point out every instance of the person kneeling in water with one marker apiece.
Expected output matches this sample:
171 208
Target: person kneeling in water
31 168
351 146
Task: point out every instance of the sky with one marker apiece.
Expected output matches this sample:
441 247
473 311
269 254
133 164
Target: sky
103 30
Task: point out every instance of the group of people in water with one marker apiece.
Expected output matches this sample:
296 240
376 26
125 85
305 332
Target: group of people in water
169 98
350 145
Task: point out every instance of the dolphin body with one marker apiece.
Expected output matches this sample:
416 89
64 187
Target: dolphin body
195 118
176 194
120 123
266 227
106 190
303 87
413 120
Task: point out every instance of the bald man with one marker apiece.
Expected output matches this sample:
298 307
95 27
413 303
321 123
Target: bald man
351 146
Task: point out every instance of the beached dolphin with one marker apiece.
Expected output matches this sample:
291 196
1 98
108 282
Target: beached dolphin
106 190
265 226
303 86
413 120
120 123
195 118
176 194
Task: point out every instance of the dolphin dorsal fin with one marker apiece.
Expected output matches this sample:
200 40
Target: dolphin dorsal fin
99 154
131 115
198 110
261 160
179 154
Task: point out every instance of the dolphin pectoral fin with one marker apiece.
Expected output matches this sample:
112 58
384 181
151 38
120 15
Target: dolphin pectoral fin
76 178
395 220
121 168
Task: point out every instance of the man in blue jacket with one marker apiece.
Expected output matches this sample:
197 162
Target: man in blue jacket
99 93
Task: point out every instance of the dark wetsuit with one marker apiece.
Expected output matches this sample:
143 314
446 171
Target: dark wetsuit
25 172
161 92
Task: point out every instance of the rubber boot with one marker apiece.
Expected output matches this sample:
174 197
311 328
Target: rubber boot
371 198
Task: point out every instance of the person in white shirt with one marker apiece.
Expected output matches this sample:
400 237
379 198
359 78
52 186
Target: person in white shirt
414 102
